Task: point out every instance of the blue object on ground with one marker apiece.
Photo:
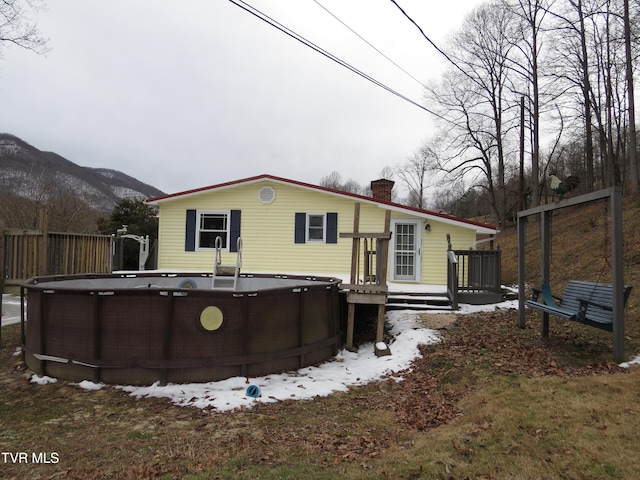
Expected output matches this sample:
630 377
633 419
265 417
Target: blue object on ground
253 391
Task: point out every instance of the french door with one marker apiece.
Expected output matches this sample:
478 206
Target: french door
406 243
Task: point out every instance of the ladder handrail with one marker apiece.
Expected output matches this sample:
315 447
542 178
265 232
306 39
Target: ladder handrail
238 262
218 262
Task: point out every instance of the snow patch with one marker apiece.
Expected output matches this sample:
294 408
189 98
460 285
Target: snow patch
44 380
87 385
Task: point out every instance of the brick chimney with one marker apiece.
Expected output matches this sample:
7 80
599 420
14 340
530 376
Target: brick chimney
381 189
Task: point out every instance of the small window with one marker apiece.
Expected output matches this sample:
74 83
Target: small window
210 226
315 228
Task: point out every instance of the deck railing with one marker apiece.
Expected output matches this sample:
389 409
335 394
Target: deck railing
479 270
473 271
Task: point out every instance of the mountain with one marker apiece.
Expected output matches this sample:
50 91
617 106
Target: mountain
28 172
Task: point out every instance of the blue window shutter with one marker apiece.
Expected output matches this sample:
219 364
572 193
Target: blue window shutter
301 225
332 228
190 235
234 230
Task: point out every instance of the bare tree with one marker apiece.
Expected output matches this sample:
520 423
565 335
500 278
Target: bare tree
413 174
569 64
334 181
474 100
17 27
608 94
634 180
68 212
531 15
572 61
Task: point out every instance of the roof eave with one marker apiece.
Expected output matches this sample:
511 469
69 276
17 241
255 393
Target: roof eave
479 228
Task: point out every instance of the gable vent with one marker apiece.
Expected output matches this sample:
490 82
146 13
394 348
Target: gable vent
267 194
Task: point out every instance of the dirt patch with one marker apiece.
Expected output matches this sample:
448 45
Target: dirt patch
438 321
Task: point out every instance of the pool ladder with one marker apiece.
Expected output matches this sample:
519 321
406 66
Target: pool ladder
222 273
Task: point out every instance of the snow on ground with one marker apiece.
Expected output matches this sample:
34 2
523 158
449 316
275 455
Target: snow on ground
345 370
10 309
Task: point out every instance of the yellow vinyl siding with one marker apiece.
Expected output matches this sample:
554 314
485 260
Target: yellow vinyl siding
267 232
434 249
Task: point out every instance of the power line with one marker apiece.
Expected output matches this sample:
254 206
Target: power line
442 52
368 43
287 31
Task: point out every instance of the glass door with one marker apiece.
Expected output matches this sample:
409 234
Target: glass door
406 250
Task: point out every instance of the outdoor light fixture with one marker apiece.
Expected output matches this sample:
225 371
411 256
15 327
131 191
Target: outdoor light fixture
427 227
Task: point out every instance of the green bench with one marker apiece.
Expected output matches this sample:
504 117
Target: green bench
584 302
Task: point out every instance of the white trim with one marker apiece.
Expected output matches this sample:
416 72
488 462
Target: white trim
308 225
437 218
417 252
199 214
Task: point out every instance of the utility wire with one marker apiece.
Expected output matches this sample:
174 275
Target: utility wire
365 41
270 21
442 52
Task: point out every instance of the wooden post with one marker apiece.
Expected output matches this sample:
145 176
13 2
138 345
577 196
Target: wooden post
367 292
545 256
617 264
2 273
42 265
522 231
382 250
351 314
355 255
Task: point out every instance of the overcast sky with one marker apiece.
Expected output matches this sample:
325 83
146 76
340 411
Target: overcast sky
187 94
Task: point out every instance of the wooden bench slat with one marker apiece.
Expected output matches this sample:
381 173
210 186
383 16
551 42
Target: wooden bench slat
585 302
559 312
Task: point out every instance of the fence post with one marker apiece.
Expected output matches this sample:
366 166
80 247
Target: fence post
43 254
2 274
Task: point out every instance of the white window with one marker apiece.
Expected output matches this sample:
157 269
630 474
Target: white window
315 227
212 224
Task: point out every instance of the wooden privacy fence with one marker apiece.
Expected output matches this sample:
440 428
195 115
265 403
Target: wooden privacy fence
29 253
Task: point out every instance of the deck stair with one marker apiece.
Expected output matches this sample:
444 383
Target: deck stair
438 301
368 283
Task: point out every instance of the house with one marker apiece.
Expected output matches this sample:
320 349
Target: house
291 227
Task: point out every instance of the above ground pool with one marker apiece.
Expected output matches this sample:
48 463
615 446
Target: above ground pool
173 327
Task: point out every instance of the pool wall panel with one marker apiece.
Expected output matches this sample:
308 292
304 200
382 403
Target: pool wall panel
151 331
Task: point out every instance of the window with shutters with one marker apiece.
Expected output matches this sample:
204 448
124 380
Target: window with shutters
212 224
315 227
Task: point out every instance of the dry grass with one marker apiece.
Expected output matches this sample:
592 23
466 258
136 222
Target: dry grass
490 401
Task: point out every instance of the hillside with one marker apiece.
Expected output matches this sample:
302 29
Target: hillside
28 172
581 250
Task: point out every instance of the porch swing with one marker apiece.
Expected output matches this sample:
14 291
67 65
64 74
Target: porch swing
599 305
589 303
